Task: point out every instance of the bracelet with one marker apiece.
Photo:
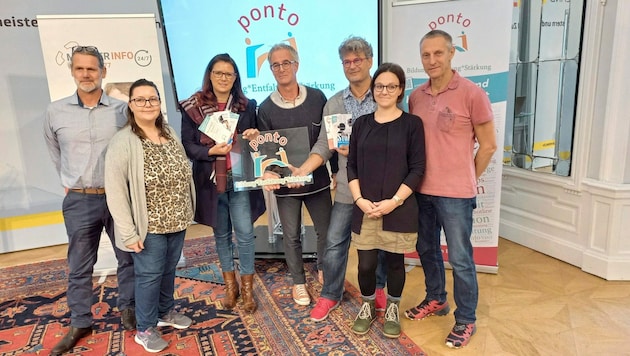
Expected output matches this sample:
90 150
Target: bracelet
357 199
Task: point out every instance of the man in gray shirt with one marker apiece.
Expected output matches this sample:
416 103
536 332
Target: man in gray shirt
356 56
77 130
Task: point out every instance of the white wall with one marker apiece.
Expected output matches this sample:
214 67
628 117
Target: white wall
584 219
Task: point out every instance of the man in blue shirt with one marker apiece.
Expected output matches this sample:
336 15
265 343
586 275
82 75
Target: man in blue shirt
77 130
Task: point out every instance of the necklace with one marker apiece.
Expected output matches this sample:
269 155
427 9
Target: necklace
362 96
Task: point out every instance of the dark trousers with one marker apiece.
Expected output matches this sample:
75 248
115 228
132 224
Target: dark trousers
85 216
319 206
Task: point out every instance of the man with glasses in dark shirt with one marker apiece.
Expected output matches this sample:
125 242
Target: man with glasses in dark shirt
294 105
77 130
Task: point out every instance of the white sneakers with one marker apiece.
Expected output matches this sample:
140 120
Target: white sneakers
300 295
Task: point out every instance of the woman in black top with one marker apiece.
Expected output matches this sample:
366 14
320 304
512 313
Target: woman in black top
385 165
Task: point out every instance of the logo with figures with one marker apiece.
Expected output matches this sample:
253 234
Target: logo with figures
274 16
460 42
256 55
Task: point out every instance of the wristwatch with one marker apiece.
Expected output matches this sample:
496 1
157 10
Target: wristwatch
398 200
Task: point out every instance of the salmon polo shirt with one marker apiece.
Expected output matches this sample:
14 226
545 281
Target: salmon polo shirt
448 119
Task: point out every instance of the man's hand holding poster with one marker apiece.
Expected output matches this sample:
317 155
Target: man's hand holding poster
338 130
270 158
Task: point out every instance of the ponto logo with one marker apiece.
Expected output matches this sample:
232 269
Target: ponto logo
462 45
255 56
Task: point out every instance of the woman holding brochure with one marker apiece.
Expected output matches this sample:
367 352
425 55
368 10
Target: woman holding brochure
218 205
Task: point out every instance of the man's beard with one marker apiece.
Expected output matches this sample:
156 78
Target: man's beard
87 87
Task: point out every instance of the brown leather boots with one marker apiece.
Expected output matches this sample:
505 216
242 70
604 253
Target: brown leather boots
247 292
232 292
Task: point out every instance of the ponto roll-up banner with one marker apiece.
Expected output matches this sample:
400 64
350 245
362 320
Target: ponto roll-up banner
128 44
481 36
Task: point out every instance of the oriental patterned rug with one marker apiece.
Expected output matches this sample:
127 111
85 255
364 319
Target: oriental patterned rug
34 315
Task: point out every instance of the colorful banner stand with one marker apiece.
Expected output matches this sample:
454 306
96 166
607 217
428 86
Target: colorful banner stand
481 35
129 45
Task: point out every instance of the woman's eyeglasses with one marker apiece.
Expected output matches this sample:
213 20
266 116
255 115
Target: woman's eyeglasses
226 75
390 88
142 102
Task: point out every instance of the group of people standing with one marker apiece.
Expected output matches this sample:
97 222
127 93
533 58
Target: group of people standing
403 178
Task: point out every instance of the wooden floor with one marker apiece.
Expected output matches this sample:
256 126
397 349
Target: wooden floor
535 305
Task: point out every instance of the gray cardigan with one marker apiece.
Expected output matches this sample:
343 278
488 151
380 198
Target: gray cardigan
124 187
335 106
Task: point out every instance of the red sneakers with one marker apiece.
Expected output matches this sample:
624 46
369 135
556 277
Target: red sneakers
323 308
427 308
460 335
381 300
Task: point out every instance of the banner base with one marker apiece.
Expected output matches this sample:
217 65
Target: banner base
413 262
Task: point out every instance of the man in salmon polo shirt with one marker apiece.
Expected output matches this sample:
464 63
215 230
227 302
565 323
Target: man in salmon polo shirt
456 114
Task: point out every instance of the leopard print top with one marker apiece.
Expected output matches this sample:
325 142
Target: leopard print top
167 176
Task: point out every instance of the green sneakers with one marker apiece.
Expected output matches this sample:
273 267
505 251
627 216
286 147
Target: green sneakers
391 328
364 319
367 315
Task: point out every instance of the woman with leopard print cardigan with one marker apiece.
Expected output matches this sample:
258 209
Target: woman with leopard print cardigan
150 193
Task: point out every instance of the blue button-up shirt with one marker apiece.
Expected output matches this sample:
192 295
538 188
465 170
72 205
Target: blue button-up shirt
358 108
77 138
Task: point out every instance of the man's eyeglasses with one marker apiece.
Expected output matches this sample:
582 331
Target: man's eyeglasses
226 75
357 62
390 88
142 102
284 65
83 49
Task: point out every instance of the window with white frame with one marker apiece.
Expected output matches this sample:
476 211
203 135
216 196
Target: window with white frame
544 67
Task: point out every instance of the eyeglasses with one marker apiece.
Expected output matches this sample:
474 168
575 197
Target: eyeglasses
81 49
142 102
284 65
390 88
226 75
357 62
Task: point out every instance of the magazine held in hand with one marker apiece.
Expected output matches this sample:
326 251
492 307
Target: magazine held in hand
220 126
338 129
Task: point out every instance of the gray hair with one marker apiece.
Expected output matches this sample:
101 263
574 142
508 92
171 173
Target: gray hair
90 51
280 46
439 33
354 44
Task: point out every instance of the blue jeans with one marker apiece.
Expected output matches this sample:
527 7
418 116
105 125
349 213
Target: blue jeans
336 255
454 215
381 270
155 276
233 211
85 216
